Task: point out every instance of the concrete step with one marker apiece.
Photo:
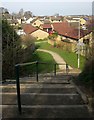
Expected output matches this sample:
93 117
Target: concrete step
41 90
45 80
46 111
38 85
43 77
43 99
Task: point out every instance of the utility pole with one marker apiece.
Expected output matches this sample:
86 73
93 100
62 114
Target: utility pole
78 44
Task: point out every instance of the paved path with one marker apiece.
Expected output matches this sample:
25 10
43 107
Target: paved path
57 59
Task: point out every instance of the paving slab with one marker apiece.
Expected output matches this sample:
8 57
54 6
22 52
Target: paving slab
43 99
47 112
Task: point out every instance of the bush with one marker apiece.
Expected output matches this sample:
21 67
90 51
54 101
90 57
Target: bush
87 74
12 51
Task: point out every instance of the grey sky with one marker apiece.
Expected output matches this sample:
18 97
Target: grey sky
50 8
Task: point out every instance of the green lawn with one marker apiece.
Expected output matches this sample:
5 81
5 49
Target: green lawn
69 57
41 57
41 40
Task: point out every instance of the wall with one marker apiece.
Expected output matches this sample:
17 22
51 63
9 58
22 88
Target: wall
51 42
39 34
37 23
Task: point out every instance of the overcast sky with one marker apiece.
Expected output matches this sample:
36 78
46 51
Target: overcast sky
51 7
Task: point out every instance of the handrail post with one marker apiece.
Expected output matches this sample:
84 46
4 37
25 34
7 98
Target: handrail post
37 71
55 69
67 68
18 88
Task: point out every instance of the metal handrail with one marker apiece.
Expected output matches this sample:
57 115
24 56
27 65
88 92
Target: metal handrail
24 64
17 67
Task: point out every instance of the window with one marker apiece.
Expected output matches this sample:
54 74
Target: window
86 41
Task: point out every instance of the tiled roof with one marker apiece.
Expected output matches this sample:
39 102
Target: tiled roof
34 20
86 18
65 29
28 28
46 25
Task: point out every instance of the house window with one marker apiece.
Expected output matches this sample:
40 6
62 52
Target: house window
86 41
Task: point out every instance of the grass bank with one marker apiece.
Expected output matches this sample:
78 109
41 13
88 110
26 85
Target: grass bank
41 57
69 57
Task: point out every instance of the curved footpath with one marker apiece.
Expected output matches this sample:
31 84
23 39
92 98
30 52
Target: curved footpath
57 58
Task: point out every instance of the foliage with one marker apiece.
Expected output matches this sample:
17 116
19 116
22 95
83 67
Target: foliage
53 35
87 74
41 40
28 41
10 49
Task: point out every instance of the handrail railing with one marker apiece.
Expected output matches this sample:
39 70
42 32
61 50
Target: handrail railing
17 68
24 64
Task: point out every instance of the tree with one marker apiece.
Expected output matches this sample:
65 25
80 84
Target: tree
28 14
28 41
88 71
4 10
21 12
11 46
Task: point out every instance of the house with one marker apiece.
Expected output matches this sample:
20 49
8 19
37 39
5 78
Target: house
19 20
65 30
55 19
70 35
29 20
20 32
36 22
46 22
46 27
14 22
40 34
70 19
28 28
83 21
35 32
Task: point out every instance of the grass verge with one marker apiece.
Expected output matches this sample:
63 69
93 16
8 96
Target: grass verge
41 57
69 57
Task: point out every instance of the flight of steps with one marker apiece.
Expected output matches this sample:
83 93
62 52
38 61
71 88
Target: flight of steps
51 97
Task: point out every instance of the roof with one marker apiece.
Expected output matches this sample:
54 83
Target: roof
66 30
56 18
46 21
46 25
90 25
86 18
34 20
28 28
